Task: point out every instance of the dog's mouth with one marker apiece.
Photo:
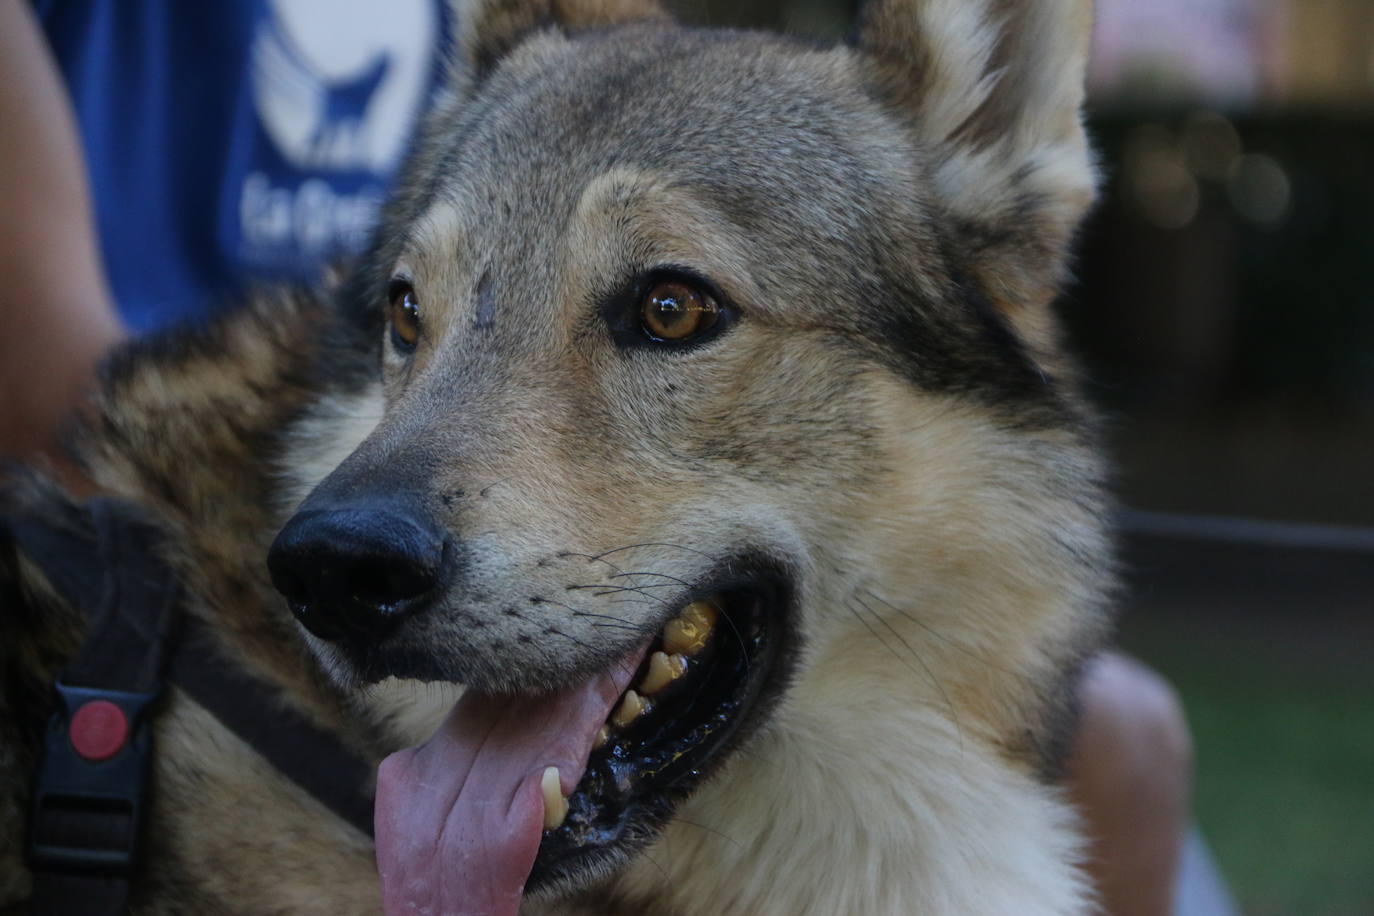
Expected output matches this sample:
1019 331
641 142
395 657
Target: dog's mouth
705 678
634 742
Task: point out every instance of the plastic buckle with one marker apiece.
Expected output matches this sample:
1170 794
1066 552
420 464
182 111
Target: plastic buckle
88 794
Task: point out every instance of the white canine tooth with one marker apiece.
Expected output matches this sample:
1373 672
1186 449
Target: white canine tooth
555 805
663 670
630 709
602 736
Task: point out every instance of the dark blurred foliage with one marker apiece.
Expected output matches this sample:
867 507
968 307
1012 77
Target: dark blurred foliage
1231 261
1225 311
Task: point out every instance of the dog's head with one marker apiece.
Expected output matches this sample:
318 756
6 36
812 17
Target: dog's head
719 356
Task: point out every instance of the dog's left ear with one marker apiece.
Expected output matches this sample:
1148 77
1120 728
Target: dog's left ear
994 90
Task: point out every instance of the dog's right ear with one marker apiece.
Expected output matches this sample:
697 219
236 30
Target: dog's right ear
993 91
491 29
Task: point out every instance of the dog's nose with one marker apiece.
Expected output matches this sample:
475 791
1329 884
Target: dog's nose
355 573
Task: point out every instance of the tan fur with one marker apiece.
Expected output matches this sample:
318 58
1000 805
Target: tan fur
937 502
929 689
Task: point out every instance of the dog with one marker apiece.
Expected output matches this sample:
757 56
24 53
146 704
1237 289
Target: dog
700 409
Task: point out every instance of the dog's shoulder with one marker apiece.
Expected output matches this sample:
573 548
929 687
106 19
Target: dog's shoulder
184 430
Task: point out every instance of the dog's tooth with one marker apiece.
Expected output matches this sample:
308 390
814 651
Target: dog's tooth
663 670
702 613
688 631
681 636
603 735
631 708
555 805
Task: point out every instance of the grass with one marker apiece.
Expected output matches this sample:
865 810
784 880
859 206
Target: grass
1284 732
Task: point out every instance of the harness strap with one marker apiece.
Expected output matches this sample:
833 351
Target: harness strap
88 798
133 629
89 791
312 758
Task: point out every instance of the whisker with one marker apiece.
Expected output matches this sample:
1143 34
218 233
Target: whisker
543 600
589 558
743 648
675 579
930 675
612 589
577 613
937 634
658 544
495 483
655 864
622 626
726 837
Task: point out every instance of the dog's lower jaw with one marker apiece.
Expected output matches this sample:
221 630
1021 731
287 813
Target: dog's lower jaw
924 808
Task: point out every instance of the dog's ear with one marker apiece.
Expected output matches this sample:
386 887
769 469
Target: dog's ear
491 29
994 90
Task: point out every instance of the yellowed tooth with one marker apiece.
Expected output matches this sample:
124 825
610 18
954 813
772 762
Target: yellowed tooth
630 709
691 628
702 614
602 736
663 670
555 805
684 637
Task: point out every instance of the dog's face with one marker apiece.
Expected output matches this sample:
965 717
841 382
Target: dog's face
697 348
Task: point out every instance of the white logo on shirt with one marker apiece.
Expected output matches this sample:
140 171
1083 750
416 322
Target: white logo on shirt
337 82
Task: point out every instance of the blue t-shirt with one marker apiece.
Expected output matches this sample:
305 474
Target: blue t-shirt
229 143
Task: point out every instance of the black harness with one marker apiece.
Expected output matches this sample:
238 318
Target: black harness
90 791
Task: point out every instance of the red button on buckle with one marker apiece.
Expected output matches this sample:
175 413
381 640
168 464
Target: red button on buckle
98 730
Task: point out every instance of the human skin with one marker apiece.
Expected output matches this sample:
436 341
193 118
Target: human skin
1130 774
56 314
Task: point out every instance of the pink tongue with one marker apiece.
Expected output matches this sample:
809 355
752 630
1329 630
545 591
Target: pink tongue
459 818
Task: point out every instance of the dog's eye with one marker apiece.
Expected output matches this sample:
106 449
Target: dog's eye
403 313
673 310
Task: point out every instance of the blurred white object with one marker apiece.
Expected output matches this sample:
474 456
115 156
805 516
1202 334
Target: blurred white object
1225 52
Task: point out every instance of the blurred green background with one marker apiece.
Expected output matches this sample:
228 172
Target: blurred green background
1225 312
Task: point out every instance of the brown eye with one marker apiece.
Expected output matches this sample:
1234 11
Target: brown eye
404 315
672 310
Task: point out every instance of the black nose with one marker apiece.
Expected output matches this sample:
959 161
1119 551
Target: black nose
355 573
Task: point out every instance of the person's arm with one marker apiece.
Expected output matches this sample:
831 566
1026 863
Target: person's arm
1130 773
56 313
